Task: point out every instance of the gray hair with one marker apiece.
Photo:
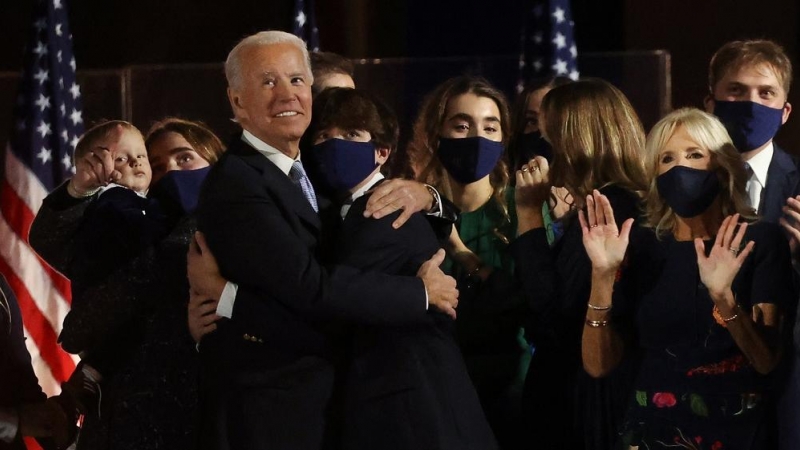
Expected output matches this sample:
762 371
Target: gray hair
233 65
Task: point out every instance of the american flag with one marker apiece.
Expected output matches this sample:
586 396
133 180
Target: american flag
47 123
305 24
547 41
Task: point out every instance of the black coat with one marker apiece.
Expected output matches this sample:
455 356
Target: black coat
269 371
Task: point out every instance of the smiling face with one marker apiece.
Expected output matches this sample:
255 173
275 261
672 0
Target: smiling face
469 115
171 151
682 150
273 99
130 157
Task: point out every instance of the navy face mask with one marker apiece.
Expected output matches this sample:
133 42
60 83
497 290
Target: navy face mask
533 144
689 192
180 189
340 165
469 159
749 124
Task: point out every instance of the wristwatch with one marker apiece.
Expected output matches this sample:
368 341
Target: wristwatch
435 195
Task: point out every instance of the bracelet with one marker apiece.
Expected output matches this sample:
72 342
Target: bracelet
734 316
598 308
597 323
435 195
723 321
74 192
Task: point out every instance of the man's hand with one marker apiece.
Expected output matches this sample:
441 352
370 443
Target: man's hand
391 195
93 170
202 316
441 288
792 226
202 270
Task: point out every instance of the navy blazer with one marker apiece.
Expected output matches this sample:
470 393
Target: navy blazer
268 372
407 386
783 181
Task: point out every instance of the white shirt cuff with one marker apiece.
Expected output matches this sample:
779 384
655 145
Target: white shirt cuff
225 305
9 424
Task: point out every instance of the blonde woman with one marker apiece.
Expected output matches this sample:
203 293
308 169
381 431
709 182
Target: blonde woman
710 291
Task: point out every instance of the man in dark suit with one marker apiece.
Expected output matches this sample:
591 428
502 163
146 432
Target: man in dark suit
749 85
268 382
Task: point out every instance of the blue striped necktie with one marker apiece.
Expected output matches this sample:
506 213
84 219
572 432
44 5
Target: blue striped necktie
298 175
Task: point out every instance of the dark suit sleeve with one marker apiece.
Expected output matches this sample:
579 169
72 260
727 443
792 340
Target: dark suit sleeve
261 244
54 227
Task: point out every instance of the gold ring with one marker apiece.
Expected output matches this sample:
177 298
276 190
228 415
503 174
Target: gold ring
735 251
524 168
593 226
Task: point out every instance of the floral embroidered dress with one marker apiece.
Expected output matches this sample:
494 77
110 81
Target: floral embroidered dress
695 388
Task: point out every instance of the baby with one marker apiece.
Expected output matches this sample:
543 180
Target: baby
121 221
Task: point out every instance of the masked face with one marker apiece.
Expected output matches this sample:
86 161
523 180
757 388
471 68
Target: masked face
342 159
751 102
180 189
686 180
470 143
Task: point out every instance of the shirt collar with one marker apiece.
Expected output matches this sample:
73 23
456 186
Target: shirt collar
360 193
277 157
760 163
103 189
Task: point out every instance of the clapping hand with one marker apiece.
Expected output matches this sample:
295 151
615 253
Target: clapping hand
719 268
604 243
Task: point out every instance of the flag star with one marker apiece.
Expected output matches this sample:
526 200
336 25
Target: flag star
63 109
537 37
40 24
72 61
40 49
43 102
44 128
558 14
76 117
57 4
560 40
522 63
574 75
61 83
65 136
300 19
520 87
42 76
74 141
67 161
45 155
58 29
573 51
75 90
538 65
59 56
560 67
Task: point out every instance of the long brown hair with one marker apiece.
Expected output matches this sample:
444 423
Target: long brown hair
197 134
597 138
427 130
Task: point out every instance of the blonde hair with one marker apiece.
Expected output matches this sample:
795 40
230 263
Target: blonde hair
708 133
101 130
597 138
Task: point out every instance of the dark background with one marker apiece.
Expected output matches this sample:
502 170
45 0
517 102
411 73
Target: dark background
110 35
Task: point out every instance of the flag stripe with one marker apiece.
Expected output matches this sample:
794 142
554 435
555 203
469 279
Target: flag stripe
19 218
60 365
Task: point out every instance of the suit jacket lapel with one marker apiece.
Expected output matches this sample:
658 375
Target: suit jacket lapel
286 192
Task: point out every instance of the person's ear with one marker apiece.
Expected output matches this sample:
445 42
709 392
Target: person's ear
235 99
787 109
382 155
709 103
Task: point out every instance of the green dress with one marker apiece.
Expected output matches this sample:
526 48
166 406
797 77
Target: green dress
490 316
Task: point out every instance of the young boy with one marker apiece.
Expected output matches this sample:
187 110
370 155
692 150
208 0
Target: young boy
121 221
